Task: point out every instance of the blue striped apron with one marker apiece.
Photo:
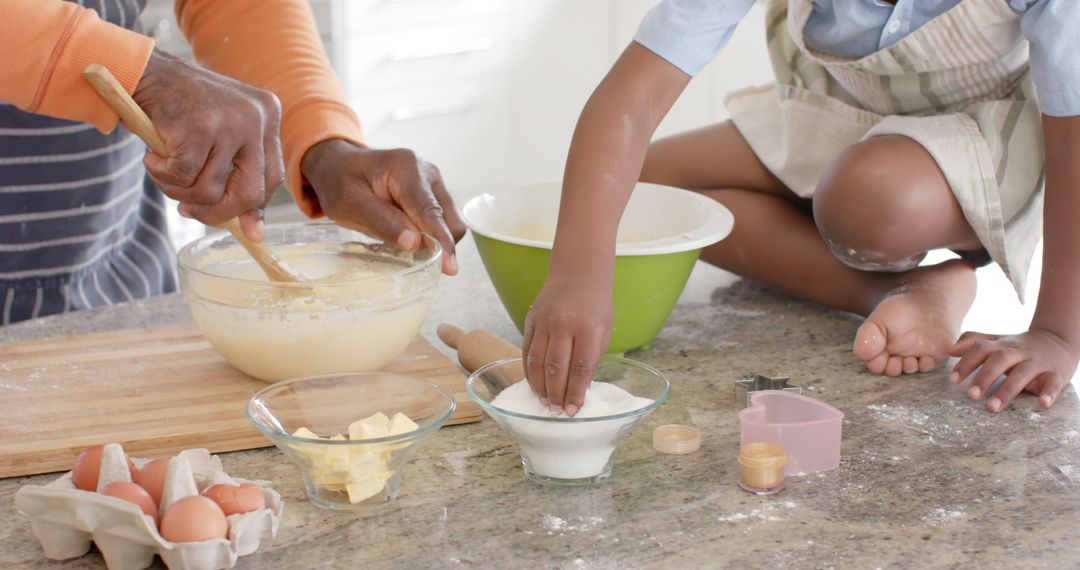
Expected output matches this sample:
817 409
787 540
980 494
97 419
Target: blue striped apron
81 225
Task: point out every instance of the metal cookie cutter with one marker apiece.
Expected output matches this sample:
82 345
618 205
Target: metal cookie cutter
744 389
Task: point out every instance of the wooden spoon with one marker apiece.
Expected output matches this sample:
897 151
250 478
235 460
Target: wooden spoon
137 121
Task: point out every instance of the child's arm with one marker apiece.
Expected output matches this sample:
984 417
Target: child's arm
1044 358
569 324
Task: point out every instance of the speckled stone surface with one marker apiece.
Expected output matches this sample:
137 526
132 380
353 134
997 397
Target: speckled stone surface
927 479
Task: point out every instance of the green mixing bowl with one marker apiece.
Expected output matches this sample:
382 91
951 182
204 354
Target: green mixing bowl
662 232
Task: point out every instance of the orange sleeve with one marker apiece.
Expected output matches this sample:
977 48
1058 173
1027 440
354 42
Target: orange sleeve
274 44
48 44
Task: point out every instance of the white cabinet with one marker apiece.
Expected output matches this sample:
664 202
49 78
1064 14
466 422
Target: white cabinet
431 75
490 90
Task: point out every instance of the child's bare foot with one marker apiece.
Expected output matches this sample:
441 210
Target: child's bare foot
912 327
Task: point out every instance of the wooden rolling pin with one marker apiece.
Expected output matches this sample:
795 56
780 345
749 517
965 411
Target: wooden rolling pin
476 348
137 121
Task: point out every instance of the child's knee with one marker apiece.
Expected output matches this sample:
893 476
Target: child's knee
864 219
870 259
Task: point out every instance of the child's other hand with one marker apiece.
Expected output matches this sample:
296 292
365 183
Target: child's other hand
1038 360
566 332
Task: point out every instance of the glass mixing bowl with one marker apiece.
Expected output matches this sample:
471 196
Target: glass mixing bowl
569 451
327 405
363 305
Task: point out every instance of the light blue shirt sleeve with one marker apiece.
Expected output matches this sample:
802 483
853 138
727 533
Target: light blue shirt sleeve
1053 29
689 33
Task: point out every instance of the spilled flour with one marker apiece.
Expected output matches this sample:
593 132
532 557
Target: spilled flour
937 517
948 422
1067 437
769 512
558 525
930 424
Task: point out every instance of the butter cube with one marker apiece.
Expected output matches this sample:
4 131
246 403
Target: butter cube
312 452
305 433
364 459
336 456
360 470
368 473
366 487
371 427
402 424
332 480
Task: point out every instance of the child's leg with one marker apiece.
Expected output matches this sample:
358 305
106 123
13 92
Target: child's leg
774 240
912 316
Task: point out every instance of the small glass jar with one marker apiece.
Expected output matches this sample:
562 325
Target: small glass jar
761 468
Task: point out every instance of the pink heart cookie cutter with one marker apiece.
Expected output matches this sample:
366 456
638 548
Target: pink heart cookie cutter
809 430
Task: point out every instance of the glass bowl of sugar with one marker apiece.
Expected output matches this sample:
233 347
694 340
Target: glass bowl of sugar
570 451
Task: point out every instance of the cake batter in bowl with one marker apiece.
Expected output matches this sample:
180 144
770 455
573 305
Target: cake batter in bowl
362 304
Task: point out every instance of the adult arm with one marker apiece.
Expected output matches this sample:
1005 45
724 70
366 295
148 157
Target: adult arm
47 44
274 45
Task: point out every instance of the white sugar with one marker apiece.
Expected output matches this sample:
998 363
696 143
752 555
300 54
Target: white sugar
568 450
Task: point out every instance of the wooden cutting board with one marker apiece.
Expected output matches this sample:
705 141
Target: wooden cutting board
156 391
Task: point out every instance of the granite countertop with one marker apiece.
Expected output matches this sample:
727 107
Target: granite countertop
927 479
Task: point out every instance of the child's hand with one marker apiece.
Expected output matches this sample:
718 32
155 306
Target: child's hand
1037 360
566 333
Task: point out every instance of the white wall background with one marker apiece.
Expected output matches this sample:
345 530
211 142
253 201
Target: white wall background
490 90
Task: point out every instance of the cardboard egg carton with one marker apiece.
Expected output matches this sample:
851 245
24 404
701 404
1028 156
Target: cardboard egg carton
66 520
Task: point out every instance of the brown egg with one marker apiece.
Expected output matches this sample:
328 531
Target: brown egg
152 477
193 519
87 468
236 500
132 493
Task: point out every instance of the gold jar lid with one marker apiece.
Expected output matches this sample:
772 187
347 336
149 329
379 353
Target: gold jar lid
675 439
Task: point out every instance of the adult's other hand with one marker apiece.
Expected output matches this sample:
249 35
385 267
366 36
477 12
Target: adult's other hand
391 194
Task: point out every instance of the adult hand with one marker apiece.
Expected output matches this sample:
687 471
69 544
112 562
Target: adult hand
223 138
390 194
1038 361
566 332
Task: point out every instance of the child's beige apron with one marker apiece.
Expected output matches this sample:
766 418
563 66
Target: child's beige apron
959 86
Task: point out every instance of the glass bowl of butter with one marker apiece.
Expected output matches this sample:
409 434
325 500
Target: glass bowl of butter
351 434
361 305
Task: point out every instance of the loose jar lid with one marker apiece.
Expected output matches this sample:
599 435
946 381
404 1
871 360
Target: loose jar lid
676 439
